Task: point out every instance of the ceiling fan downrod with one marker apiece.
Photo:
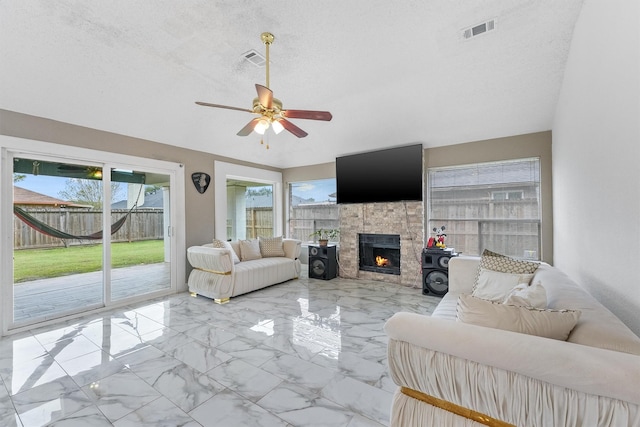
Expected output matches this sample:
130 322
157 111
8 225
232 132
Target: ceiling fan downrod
267 39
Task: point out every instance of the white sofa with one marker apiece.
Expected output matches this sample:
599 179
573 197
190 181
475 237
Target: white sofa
216 276
460 374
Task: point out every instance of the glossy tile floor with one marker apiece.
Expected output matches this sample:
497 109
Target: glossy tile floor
303 353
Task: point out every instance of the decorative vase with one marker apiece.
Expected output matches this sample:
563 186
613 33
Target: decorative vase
323 242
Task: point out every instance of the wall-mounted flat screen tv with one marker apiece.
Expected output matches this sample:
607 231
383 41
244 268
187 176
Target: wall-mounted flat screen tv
390 175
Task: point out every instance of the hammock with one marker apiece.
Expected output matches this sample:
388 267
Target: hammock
52 232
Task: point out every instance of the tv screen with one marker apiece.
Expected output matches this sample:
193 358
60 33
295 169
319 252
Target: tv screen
390 175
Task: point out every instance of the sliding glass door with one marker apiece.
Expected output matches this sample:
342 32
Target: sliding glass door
58 241
85 235
141 249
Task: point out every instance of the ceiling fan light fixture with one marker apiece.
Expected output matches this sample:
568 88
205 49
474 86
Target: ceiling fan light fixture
277 126
261 126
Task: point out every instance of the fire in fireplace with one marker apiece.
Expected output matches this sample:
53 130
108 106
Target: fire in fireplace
380 253
382 261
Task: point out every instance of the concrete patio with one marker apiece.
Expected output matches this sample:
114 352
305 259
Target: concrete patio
49 298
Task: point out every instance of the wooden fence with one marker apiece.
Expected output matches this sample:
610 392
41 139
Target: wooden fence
306 219
142 224
259 222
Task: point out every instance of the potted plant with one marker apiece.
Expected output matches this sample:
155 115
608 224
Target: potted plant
324 235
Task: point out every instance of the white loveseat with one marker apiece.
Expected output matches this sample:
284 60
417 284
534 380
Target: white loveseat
460 374
215 274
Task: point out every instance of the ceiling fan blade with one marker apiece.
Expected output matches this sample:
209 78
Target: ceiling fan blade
265 96
206 104
245 131
307 114
293 128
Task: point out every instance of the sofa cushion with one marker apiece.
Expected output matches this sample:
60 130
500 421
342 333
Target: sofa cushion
597 327
250 250
527 296
259 273
495 286
504 264
555 324
271 246
446 308
221 244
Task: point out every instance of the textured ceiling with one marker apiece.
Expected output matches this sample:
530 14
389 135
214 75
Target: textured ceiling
390 72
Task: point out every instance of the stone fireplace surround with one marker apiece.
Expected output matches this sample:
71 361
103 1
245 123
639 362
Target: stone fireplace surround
403 218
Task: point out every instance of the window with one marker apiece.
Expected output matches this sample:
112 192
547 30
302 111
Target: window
249 210
493 206
312 206
239 189
507 195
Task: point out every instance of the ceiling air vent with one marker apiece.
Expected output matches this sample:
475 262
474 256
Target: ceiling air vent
255 58
476 30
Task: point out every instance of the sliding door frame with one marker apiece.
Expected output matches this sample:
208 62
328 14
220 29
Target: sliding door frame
24 148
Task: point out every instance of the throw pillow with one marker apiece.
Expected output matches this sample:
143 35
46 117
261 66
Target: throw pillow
271 246
226 245
249 250
495 286
504 264
218 244
555 324
527 296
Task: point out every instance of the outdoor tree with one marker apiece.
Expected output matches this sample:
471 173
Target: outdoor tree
151 189
89 192
261 191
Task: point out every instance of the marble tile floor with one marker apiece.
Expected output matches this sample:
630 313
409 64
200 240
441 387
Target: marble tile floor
304 353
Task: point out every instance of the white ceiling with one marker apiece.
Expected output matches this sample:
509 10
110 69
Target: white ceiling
391 72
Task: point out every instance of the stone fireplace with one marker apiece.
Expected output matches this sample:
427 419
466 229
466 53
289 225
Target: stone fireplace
405 220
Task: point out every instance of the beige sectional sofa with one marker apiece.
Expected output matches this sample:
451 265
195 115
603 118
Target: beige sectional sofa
215 274
460 374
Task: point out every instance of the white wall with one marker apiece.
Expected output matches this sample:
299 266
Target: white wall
596 158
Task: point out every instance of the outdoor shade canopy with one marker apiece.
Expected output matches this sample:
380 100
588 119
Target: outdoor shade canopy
65 170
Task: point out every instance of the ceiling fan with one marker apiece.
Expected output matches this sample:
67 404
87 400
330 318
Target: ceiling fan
269 109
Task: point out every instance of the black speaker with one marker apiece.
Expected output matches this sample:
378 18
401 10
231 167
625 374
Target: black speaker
436 258
435 271
435 282
323 263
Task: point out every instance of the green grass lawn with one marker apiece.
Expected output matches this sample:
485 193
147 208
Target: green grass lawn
31 264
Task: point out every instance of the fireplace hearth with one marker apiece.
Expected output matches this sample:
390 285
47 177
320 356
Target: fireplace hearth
380 253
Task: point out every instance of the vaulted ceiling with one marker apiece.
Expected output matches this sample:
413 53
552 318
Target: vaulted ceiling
391 72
